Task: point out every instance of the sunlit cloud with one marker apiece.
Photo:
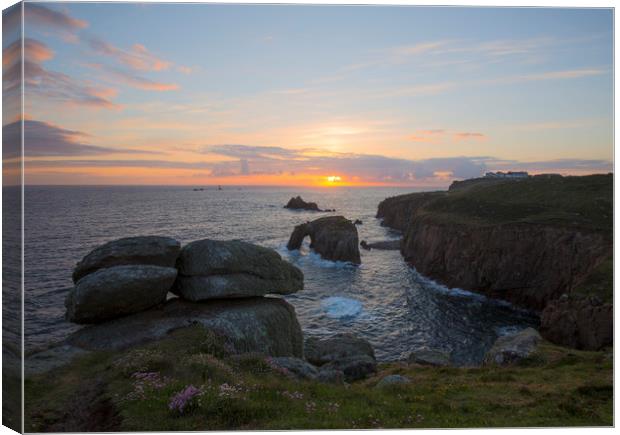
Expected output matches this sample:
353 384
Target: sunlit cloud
34 51
138 57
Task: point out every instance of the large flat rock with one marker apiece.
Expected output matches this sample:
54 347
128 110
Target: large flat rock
264 325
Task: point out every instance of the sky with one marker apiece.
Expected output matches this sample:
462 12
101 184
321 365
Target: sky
202 94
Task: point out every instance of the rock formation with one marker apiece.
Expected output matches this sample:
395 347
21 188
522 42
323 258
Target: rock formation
297 203
151 250
122 277
118 291
334 238
579 322
214 269
526 264
266 325
122 286
346 353
510 349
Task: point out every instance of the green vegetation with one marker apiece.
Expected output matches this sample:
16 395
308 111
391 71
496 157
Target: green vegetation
578 202
133 390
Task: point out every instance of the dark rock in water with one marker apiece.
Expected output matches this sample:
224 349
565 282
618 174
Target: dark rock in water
583 323
151 250
354 368
346 353
386 245
296 366
357 222
393 380
265 325
297 203
430 357
513 348
334 238
213 269
118 291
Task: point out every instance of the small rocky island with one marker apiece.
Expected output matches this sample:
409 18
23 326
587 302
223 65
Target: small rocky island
297 203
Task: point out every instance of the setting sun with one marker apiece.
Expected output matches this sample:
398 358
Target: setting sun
333 178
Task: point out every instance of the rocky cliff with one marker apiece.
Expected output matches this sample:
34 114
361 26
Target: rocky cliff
528 243
526 264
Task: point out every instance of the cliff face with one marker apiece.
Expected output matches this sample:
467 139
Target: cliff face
528 265
528 243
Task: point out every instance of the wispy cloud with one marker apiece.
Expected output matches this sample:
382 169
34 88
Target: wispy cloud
42 82
138 57
465 135
118 76
548 75
42 139
42 15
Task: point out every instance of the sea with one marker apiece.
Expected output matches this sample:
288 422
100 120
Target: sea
383 300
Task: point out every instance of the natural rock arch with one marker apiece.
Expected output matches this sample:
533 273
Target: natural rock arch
334 238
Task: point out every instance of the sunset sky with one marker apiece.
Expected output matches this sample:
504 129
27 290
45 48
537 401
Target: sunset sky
290 95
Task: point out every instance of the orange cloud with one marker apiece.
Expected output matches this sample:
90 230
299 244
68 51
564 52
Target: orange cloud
34 51
138 57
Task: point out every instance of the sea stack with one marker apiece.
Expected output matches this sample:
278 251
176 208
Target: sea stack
334 238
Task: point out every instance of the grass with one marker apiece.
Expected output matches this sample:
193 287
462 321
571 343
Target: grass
579 202
555 387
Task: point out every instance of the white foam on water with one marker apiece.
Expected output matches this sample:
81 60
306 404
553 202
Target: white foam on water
311 258
508 330
339 307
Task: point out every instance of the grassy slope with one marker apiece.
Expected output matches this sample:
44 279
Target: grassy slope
557 387
580 202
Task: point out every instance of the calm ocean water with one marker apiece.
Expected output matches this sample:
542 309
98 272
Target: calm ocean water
383 300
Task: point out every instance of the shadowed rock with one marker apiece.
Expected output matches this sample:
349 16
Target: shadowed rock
346 353
118 291
582 323
265 325
151 250
512 348
297 203
334 238
385 245
213 269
